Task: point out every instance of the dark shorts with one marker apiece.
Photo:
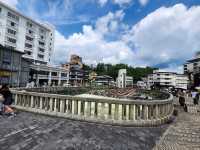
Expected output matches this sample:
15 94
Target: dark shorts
8 101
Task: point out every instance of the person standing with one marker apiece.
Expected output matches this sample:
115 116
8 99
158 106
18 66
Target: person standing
195 96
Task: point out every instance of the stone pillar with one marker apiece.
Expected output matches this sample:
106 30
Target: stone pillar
49 78
156 112
88 108
16 99
76 107
55 105
120 112
113 111
146 115
51 104
32 101
72 107
67 106
59 78
141 111
134 113
99 110
41 103
62 105
79 107
123 112
92 109
102 110
127 112
106 111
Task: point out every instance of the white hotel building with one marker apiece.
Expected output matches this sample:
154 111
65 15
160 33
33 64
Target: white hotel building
36 41
167 79
26 35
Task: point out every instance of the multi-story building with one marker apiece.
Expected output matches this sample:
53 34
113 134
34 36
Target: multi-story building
20 32
167 79
77 75
49 75
123 80
192 69
14 70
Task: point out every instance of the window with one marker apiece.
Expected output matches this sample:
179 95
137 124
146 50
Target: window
11 40
12 24
54 73
13 16
41 50
11 31
41 43
7 57
29 38
30 32
0 9
40 56
28 53
28 45
29 24
41 31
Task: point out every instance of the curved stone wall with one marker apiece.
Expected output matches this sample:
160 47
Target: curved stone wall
109 110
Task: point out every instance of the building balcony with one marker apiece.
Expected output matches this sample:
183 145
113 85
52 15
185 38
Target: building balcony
32 35
11 44
11 35
40 52
30 42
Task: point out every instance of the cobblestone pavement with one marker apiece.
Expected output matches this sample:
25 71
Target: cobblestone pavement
183 134
30 131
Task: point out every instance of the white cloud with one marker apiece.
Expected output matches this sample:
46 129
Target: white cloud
91 43
12 3
166 36
122 2
102 2
143 2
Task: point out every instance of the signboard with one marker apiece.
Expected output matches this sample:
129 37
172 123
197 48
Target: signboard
5 73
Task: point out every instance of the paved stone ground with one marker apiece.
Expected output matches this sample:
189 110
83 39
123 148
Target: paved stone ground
30 131
183 134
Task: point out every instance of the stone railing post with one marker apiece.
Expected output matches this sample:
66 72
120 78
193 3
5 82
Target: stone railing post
16 99
51 104
156 112
62 105
41 99
32 101
146 115
55 105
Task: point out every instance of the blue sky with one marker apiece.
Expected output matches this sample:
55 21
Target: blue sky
75 13
161 33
